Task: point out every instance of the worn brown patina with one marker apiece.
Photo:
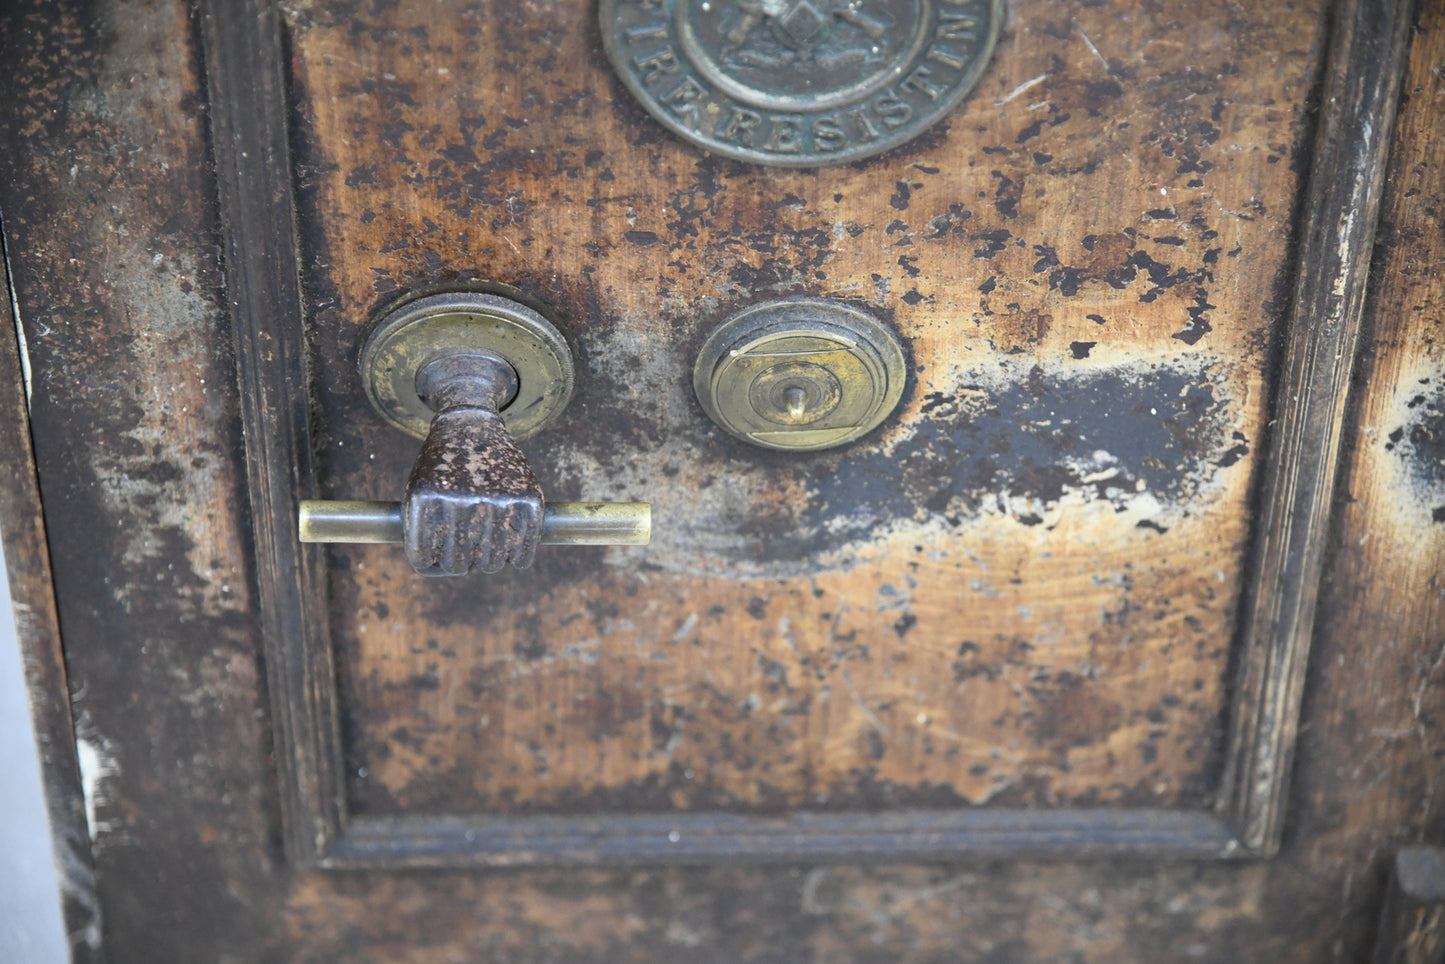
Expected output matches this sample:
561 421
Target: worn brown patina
1070 289
1020 590
111 237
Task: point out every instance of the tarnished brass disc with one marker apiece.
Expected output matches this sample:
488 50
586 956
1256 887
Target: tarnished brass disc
800 374
799 83
418 331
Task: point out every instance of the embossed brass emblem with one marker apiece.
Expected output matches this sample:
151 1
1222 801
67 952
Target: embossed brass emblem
799 83
800 374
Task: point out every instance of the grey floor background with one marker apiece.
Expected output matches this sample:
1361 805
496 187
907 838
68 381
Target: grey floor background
31 930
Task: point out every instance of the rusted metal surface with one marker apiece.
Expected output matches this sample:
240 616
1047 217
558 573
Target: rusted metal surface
1020 592
241 47
1320 346
111 239
472 500
144 497
1370 754
1014 913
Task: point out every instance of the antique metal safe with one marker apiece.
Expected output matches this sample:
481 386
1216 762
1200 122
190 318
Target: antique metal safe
997 449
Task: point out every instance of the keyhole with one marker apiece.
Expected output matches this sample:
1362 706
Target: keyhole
797 401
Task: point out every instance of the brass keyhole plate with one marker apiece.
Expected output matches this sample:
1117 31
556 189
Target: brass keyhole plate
800 374
420 330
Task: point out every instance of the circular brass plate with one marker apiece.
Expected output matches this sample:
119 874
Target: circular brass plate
418 331
800 374
799 83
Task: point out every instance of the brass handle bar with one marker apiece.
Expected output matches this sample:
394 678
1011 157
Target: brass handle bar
563 523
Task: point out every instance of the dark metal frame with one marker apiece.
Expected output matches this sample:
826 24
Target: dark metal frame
245 69
32 592
1412 922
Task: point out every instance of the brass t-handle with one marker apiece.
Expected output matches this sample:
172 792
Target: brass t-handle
471 501
563 523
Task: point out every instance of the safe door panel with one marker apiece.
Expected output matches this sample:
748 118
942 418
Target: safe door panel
1020 591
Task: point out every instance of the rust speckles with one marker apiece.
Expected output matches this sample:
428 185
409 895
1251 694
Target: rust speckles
1073 714
1045 654
1068 473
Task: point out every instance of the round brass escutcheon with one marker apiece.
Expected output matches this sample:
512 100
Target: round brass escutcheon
418 331
800 374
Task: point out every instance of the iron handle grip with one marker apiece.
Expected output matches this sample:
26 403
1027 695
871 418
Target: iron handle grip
563 523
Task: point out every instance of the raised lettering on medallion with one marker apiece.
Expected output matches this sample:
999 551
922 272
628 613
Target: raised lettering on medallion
799 83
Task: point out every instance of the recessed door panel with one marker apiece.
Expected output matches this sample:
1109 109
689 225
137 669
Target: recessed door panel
1020 590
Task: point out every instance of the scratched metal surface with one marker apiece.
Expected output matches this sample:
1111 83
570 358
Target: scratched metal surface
111 242
112 252
1020 590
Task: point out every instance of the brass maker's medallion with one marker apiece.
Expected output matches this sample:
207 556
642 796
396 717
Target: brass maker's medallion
799 83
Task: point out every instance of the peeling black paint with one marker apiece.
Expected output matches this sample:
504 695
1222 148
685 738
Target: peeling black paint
1419 443
1094 433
